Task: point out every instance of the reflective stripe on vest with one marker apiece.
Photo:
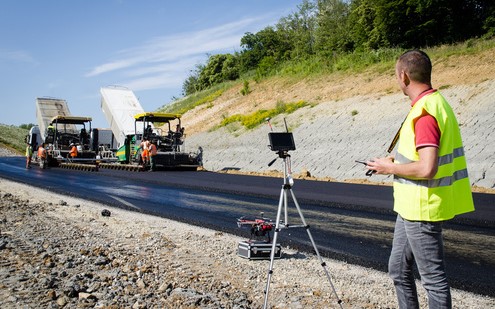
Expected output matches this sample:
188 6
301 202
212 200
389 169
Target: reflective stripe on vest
448 193
434 183
440 182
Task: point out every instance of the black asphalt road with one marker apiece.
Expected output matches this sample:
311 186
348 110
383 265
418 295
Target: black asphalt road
349 222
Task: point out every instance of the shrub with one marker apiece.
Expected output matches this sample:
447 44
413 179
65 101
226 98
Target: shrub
253 120
245 89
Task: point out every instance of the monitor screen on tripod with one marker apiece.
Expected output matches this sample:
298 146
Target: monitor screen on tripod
281 141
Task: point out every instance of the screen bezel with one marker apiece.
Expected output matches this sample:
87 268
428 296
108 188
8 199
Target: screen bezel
281 141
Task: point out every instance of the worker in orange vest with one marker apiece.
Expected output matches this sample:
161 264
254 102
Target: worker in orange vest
41 152
42 156
145 152
73 151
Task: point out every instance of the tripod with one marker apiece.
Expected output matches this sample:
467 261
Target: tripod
286 188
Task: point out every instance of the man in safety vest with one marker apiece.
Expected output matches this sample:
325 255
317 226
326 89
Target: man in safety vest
145 152
431 184
29 154
41 152
42 156
73 151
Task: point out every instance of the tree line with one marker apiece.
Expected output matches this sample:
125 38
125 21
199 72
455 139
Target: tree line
326 28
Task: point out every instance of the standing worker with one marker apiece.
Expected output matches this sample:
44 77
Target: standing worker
73 151
29 154
42 156
152 154
431 184
144 152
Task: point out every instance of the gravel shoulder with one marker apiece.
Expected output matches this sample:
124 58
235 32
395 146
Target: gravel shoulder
58 251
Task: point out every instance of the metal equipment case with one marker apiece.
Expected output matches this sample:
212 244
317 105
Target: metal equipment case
258 250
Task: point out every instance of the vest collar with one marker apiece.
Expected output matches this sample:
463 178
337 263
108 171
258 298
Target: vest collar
422 94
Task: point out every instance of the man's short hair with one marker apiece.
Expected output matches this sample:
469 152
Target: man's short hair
417 65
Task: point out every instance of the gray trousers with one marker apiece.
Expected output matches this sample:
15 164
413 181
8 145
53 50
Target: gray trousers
421 243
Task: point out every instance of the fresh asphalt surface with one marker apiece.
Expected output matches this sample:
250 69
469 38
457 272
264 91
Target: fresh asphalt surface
349 222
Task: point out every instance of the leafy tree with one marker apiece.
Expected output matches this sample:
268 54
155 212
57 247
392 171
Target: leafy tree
332 33
27 126
265 66
362 17
250 54
265 42
220 68
489 23
416 23
297 32
471 17
230 68
212 72
191 84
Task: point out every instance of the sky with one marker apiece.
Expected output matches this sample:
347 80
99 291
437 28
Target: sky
70 49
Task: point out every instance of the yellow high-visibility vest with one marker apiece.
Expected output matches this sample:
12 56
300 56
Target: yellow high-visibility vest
29 151
449 192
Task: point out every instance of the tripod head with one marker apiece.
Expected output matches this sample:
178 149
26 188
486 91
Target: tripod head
282 143
281 154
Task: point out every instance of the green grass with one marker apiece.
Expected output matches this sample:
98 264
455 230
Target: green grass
200 98
469 47
13 137
377 61
354 62
253 120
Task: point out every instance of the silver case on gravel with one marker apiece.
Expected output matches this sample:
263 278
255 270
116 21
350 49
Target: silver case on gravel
257 250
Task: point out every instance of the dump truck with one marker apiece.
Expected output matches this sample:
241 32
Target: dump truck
119 105
165 131
46 109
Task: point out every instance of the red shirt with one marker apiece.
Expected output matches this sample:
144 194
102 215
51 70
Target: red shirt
426 127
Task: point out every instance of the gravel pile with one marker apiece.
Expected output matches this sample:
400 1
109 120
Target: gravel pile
61 252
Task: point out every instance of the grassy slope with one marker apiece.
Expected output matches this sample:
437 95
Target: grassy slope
12 137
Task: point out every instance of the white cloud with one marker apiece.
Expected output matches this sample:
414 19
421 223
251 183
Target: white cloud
111 66
164 62
165 80
181 65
